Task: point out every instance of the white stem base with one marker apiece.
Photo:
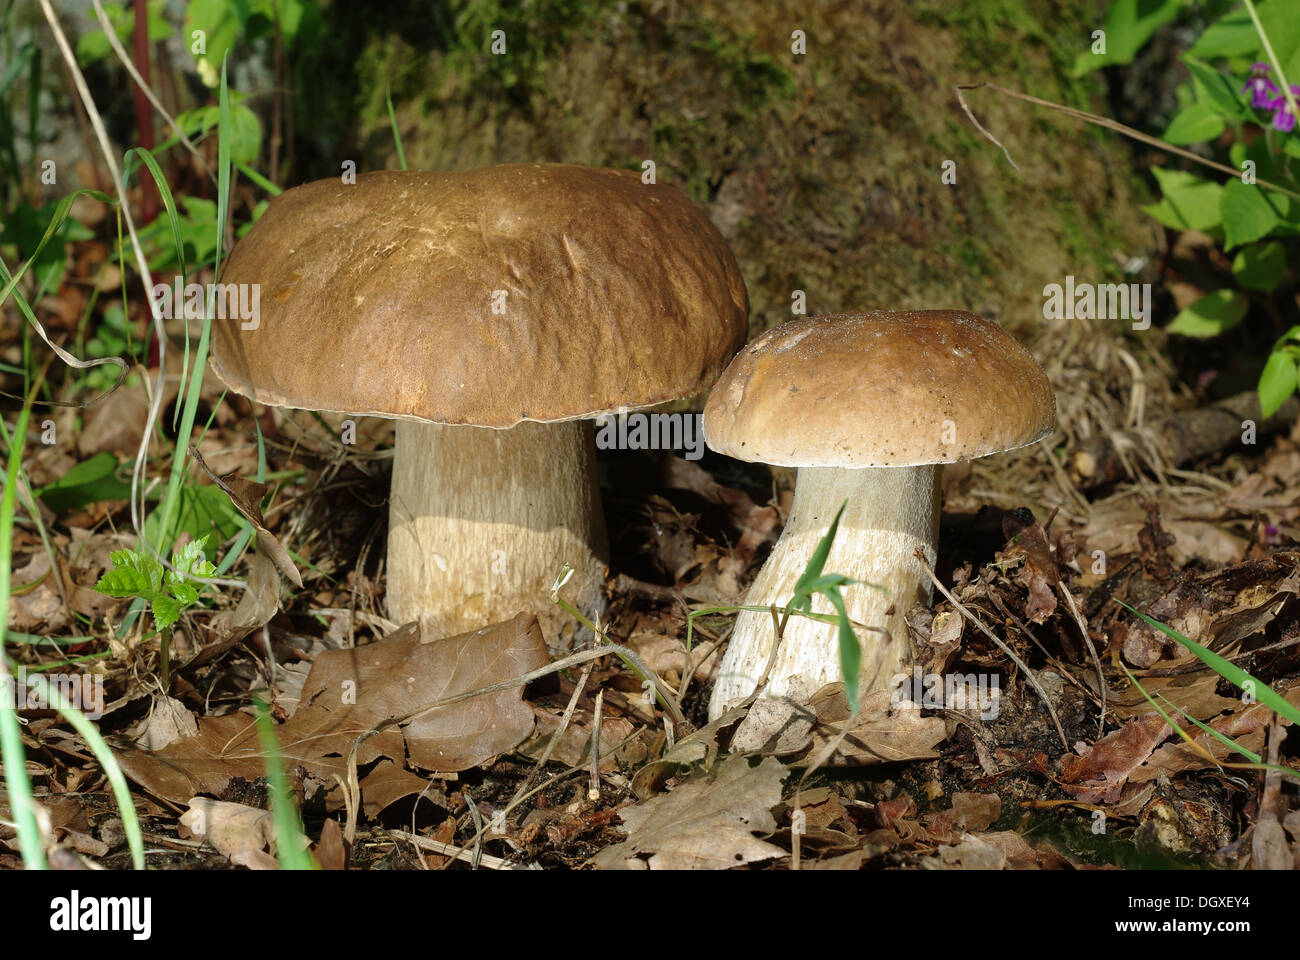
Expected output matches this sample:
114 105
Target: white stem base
891 512
481 521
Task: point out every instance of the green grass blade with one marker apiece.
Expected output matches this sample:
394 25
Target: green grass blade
174 218
121 793
1229 671
258 179
397 137
1223 738
850 650
62 210
19 787
288 828
803 589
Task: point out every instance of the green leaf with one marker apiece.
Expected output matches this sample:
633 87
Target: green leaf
1195 124
850 650
1129 25
221 21
90 481
1247 213
1280 23
191 560
200 511
1189 203
1260 267
1213 88
1232 35
803 589
1277 382
166 611
94 45
1211 315
123 581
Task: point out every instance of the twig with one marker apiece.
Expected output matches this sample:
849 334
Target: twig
593 789
582 656
1106 122
1029 674
451 851
1087 638
142 265
122 55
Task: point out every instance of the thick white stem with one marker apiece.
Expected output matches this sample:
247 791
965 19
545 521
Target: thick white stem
481 521
891 512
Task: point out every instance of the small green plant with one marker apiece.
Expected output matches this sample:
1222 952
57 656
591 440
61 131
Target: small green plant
813 581
168 592
1239 69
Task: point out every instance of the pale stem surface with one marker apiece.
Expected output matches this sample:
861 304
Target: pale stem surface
891 512
481 521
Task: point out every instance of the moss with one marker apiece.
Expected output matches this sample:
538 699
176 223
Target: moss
822 170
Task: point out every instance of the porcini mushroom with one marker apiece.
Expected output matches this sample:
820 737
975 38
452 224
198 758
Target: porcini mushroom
491 312
867 406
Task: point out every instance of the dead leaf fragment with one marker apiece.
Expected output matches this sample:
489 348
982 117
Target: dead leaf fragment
708 822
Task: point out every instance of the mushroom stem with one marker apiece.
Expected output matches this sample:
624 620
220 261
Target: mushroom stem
891 512
481 521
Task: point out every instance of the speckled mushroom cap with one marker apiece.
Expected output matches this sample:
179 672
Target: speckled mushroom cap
518 292
879 390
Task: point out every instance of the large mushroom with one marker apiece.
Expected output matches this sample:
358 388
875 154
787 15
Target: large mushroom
491 312
867 406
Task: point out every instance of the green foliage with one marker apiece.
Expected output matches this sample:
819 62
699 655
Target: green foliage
90 481
1129 25
94 46
290 840
1211 315
1258 224
225 22
813 581
168 592
24 229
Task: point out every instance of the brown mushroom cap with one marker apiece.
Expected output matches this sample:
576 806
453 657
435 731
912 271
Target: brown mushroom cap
377 297
879 390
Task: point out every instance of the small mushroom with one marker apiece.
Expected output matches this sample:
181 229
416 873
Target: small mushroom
491 312
867 406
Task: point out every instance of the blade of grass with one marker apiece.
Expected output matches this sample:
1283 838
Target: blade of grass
1260 690
289 834
397 137
108 762
19 787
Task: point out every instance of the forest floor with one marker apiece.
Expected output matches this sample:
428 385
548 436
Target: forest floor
1069 767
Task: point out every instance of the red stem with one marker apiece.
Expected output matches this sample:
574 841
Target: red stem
149 201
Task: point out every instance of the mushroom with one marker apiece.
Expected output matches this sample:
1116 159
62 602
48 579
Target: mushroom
491 312
867 406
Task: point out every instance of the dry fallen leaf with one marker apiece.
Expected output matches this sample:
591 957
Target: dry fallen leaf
1099 773
882 732
239 832
169 720
706 823
351 692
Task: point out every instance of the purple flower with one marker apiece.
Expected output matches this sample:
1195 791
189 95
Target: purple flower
1261 90
1283 118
